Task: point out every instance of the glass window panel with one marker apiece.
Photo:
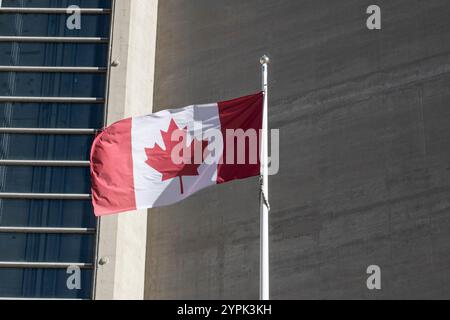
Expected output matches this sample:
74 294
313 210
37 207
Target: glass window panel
19 247
45 147
54 54
51 115
57 3
43 283
47 213
52 84
44 179
53 25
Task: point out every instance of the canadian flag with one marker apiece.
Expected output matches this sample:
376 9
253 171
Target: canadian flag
163 158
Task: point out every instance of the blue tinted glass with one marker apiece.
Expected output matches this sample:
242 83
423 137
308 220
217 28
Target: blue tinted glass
43 283
52 84
45 147
19 247
53 54
57 3
50 283
44 179
51 115
53 25
47 213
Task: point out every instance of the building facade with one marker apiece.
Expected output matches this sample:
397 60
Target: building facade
53 83
364 159
62 77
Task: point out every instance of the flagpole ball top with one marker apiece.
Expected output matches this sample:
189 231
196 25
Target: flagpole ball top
264 59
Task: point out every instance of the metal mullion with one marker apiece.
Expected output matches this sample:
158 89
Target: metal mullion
54 39
44 163
105 122
45 69
39 299
44 196
80 231
37 99
55 131
43 265
53 10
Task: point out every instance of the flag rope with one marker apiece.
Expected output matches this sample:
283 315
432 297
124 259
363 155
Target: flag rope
262 194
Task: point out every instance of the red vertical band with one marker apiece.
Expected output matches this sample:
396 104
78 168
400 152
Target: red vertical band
243 113
112 170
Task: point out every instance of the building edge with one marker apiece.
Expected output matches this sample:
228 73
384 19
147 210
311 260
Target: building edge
121 239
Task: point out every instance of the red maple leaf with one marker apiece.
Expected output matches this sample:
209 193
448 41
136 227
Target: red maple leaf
161 160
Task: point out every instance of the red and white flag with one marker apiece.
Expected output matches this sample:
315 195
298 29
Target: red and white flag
134 165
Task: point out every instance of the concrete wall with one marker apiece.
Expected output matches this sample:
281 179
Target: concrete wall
122 241
365 157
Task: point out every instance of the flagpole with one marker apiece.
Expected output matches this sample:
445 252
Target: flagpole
264 195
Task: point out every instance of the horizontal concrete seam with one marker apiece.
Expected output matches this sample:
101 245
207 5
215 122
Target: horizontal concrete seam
311 100
361 78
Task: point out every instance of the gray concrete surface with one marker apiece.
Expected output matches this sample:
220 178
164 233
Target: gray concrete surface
122 237
365 158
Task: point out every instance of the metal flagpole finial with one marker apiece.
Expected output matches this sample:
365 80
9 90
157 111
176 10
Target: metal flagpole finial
265 59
